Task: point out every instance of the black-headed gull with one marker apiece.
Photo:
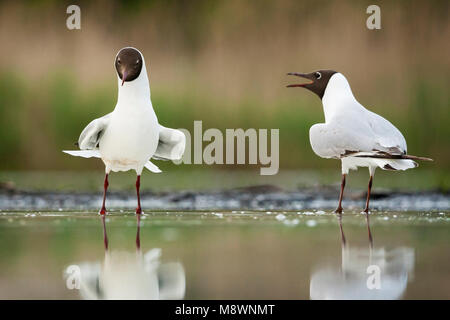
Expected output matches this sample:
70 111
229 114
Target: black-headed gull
351 133
127 138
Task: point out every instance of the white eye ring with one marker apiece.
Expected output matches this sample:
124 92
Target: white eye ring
318 75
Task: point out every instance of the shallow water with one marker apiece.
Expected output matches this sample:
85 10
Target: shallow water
224 254
229 236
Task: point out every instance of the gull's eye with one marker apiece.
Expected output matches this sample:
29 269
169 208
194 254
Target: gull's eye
118 61
137 62
318 75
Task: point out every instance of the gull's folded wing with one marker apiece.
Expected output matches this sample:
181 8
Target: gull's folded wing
386 134
91 135
342 138
332 140
171 144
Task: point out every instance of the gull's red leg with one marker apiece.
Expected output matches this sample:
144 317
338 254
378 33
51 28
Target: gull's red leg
369 188
105 188
138 185
339 208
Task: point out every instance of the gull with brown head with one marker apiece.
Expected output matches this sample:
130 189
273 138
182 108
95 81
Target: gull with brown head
352 133
129 136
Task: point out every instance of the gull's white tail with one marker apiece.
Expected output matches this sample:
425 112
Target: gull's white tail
352 163
84 153
384 160
96 154
396 164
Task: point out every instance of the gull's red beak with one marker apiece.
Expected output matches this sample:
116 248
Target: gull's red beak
303 75
124 77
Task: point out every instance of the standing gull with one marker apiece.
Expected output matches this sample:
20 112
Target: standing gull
351 133
127 138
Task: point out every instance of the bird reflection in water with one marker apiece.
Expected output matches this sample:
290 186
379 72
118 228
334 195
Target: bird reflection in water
131 275
360 267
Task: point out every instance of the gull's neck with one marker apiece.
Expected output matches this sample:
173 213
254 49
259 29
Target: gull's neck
338 95
136 92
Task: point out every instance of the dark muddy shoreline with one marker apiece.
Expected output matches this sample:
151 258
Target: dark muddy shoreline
250 198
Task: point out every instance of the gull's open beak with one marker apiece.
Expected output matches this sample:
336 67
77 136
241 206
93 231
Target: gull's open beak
124 77
303 75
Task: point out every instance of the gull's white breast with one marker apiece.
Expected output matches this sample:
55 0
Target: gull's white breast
131 137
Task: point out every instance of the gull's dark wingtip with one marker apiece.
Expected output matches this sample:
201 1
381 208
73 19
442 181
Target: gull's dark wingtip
411 157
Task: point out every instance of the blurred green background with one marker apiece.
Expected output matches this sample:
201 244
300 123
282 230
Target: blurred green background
223 62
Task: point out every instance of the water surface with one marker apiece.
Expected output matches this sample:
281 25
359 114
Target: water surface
224 254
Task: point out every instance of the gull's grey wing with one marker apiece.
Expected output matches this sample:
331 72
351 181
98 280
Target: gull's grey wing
364 132
91 135
387 135
171 144
333 140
